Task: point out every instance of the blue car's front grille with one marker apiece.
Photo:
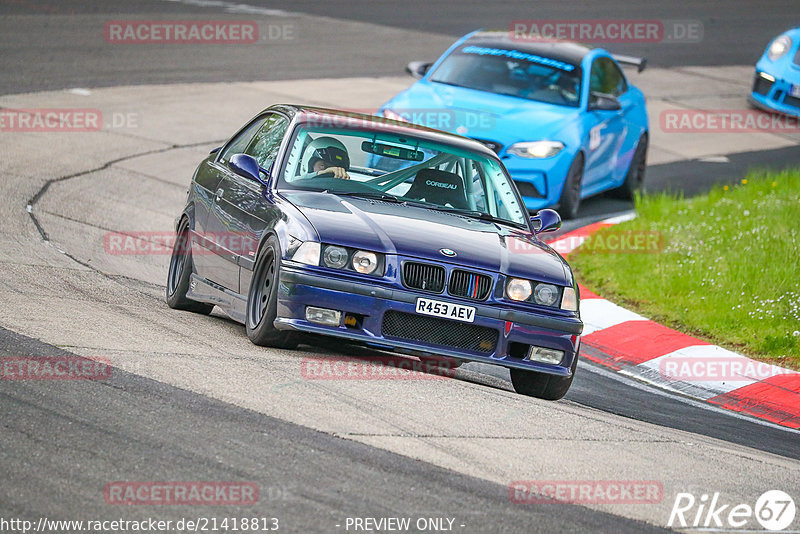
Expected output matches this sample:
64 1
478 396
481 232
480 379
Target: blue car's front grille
443 332
469 285
792 101
424 277
761 86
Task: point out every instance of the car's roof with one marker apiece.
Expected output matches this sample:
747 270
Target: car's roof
360 121
567 52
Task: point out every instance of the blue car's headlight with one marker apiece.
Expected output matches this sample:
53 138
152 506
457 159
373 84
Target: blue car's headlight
306 252
778 48
542 294
536 149
350 259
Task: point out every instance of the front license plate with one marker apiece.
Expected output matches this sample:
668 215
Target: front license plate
796 91
447 310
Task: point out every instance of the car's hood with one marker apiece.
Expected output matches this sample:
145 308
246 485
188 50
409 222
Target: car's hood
480 114
418 232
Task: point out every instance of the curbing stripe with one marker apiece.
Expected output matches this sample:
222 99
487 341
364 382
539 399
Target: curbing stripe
648 351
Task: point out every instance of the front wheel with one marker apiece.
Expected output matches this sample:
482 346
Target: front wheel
571 193
541 385
262 300
180 273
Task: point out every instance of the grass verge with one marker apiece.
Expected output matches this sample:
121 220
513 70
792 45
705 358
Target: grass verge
727 268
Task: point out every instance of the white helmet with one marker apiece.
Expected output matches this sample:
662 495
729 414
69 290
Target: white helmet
330 150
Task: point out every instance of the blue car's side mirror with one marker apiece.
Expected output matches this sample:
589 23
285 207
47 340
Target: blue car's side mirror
246 166
546 221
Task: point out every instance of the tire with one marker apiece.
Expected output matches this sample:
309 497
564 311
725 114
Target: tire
180 273
262 300
570 199
541 385
634 180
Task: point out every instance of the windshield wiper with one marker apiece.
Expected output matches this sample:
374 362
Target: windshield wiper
475 214
377 195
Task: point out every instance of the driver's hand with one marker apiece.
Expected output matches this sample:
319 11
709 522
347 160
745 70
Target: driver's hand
338 172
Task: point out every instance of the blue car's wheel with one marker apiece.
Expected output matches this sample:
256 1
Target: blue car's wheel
634 180
262 300
180 272
540 385
571 194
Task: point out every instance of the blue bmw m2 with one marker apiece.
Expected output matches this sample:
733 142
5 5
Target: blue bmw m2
562 117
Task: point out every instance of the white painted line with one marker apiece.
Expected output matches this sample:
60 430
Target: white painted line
629 216
598 314
80 91
641 383
705 371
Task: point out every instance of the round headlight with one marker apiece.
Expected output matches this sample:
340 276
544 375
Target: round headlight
365 262
545 294
335 257
518 289
778 48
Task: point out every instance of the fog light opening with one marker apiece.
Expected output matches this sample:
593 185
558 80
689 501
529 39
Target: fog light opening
352 320
323 316
544 355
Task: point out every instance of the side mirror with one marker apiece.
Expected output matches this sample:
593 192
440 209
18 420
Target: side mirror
247 167
417 69
546 221
603 102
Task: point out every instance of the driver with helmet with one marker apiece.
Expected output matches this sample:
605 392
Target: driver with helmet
326 156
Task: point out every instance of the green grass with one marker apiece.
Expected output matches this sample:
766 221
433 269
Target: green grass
729 269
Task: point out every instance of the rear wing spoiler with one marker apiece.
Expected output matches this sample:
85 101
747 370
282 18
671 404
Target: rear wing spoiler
639 62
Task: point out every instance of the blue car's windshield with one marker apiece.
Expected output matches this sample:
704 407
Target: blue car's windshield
414 171
512 73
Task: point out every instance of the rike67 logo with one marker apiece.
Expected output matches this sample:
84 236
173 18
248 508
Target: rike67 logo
774 510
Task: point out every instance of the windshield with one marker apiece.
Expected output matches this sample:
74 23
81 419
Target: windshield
512 73
401 169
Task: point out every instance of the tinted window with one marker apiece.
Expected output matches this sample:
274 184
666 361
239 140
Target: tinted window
264 146
240 142
512 73
606 77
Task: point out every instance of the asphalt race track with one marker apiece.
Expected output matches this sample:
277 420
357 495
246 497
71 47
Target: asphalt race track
191 399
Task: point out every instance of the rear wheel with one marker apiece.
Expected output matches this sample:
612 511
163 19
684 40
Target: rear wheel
262 300
541 385
634 180
180 273
571 194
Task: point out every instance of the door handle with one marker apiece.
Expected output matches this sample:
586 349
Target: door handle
220 192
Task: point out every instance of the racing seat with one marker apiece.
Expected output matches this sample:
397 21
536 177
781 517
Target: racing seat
438 187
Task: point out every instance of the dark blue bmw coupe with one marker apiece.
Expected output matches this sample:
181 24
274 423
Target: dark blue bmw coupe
384 233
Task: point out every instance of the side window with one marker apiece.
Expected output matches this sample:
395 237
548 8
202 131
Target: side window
264 146
239 144
605 77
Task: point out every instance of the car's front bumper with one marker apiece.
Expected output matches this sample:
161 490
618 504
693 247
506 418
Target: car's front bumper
540 181
776 95
299 289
